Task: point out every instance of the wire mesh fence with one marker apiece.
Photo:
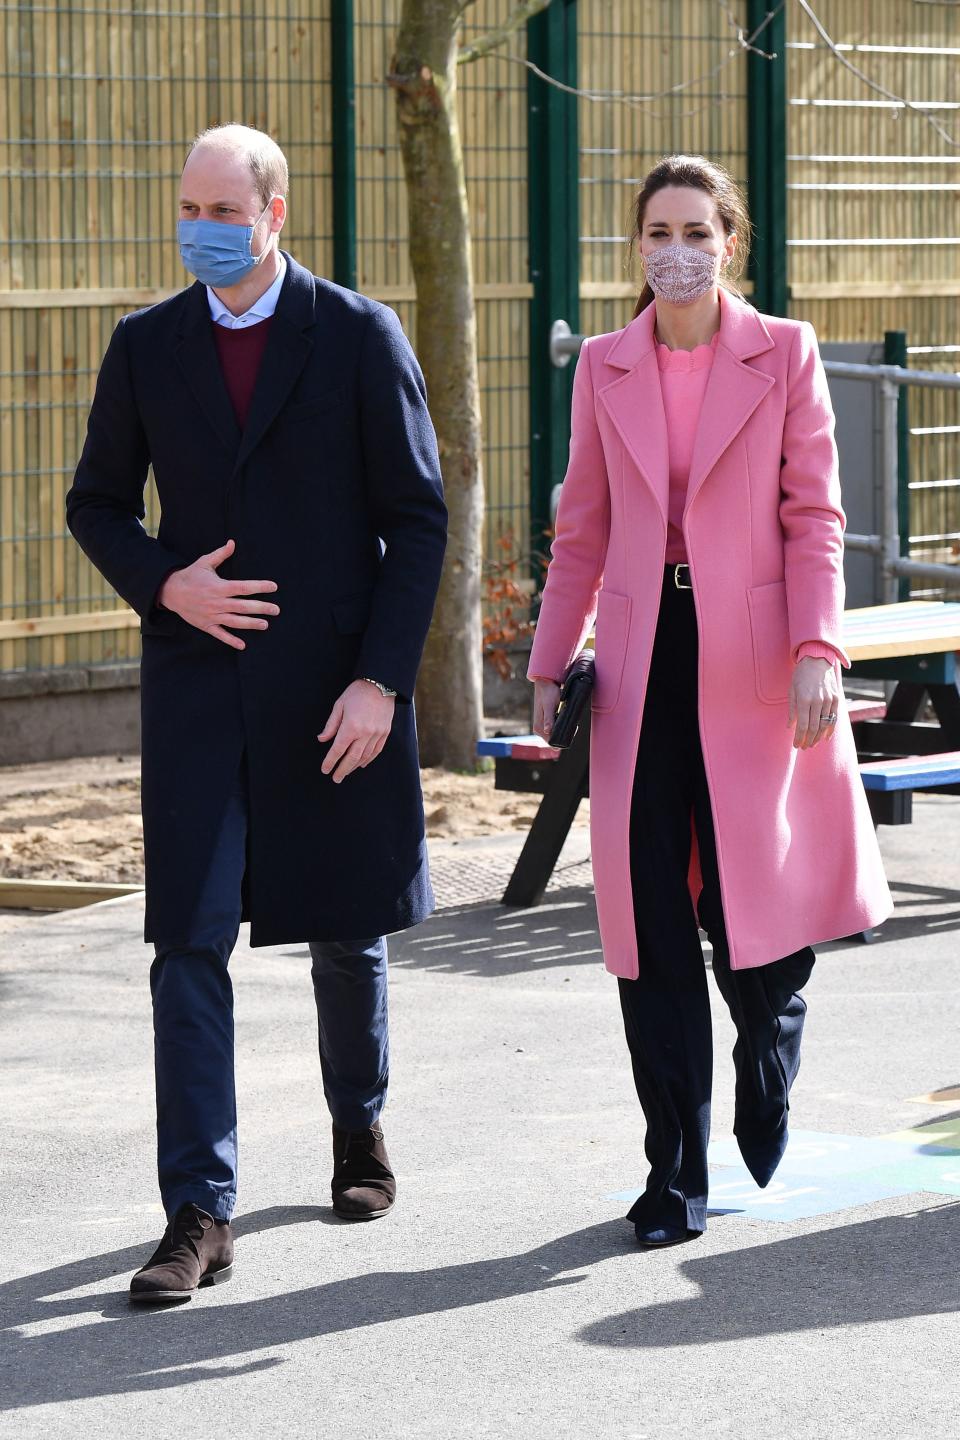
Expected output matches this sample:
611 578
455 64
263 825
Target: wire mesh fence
101 99
873 192
100 102
647 49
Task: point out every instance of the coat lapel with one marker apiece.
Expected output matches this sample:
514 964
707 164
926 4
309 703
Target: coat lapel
288 347
197 357
734 389
635 404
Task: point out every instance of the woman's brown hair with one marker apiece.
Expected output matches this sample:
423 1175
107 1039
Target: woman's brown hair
713 180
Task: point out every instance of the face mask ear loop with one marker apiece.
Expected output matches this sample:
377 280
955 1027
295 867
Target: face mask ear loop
258 258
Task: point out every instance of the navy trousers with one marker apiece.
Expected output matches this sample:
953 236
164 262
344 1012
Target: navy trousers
666 1010
193 1033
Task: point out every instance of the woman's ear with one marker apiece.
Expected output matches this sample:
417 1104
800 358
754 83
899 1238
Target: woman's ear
729 248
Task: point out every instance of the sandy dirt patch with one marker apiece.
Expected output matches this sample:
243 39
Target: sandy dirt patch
80 819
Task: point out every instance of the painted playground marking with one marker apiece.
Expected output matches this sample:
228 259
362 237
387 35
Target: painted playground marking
821 1173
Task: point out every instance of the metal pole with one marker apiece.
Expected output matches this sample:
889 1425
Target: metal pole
890 500
887 545
895 353
947 576
554 229
870 544
767 159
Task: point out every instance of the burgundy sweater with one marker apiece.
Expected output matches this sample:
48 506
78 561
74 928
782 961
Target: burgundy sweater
241 353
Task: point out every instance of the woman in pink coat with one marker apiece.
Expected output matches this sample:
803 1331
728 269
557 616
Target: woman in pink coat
700 529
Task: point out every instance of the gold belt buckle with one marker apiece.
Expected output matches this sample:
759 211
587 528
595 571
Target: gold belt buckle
676 577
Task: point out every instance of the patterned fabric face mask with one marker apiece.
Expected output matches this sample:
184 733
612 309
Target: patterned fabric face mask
680 273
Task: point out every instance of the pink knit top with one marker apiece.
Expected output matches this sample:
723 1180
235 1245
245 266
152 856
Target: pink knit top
683 382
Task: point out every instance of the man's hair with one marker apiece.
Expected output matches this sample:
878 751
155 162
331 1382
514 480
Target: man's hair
267 162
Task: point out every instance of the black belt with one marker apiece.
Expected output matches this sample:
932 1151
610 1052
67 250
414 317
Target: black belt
681 576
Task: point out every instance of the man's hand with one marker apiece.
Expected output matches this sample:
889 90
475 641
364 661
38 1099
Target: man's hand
359 725
814 694
198 595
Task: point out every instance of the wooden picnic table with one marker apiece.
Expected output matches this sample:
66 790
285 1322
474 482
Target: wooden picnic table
915 644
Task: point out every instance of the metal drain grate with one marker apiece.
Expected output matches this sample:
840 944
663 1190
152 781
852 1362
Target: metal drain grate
468 871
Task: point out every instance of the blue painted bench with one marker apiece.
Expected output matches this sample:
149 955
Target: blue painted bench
890 783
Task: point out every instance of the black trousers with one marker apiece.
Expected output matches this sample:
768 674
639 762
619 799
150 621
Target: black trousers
666 1010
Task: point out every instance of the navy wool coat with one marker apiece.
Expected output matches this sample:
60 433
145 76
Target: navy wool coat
338 454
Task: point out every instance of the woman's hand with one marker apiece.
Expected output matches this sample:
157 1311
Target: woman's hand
814 695
546 697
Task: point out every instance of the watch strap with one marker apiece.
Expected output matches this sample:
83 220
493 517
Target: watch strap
384 689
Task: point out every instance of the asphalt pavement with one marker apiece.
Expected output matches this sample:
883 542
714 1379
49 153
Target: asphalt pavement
505 1296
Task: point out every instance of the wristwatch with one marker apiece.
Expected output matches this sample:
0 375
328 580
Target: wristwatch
384 689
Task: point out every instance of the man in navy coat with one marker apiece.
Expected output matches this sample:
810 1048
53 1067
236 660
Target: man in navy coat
284 604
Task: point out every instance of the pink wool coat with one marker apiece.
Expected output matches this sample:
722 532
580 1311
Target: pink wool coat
763 526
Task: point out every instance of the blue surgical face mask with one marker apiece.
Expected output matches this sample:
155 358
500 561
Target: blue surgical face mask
219 254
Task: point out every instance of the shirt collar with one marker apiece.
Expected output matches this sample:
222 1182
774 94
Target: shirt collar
261 309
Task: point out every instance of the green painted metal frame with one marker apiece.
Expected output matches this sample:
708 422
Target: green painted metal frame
767 159
939 668
344 154
554 241
895 353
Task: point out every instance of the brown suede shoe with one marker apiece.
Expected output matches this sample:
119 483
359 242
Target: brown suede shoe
363 1184
195 1250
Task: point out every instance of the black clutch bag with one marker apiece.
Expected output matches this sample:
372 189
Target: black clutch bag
574 697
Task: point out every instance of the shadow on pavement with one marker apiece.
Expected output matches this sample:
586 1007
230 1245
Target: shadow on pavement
489 939
939 1146
934 920
492 940
867 1273
155 1349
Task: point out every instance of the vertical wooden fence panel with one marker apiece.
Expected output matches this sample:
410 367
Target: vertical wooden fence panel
873 208
492 96
101 98
100 103
681 79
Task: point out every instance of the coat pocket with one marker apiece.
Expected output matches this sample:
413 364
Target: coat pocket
316 405
612 633
770 631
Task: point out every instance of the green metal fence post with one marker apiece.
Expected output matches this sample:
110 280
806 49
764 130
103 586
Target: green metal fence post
895 353
554 245
767 159
344 158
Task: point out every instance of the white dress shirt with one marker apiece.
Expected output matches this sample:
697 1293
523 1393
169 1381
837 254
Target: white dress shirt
261 309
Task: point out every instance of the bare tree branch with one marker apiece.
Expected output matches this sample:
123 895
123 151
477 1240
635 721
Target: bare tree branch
897 100
743 39
620 97
488 44
494 38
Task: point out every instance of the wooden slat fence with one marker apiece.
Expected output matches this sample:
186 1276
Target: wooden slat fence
100 100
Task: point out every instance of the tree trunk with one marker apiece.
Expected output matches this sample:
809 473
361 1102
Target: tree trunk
450 686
